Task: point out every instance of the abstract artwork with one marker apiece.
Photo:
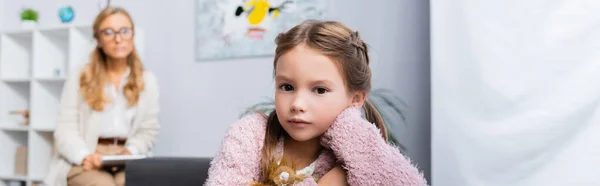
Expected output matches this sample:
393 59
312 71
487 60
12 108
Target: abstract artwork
247 28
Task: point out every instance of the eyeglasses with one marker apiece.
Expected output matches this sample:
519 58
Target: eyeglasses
109 34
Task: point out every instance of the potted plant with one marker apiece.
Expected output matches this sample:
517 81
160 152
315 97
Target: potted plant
391 108
29 18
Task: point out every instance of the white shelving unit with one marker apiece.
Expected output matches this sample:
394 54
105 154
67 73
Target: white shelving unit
34 64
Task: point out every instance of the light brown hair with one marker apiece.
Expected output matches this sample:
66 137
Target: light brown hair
94 76
341 45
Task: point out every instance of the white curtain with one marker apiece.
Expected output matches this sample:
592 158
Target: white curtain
515 92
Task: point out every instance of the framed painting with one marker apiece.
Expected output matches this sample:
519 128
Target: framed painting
247 28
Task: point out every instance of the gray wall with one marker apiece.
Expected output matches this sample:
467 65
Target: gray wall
200 99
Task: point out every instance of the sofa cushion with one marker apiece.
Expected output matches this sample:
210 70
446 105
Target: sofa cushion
163 171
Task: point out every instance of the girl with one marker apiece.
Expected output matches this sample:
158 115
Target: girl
109 107
322 78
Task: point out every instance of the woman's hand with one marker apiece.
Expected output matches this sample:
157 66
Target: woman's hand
92 161
335 177
125 152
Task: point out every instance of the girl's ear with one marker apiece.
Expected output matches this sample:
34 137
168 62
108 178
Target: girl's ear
358 98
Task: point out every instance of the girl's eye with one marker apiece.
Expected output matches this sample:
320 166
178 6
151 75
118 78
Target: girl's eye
286 87
321 90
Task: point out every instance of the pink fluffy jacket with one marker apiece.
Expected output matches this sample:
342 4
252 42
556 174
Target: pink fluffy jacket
351 141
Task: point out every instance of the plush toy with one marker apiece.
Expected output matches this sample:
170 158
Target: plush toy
281 175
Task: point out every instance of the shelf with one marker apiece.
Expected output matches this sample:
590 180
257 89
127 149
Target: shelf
10 141
12 177
42 28
57 29
8 182
51 79
51 48
81 42
16 55
45 105
13 127
41 144
43 129
14 97
29 61
16 80
19 33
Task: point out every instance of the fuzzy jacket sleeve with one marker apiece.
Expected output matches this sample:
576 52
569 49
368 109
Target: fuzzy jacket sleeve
364 154
238 161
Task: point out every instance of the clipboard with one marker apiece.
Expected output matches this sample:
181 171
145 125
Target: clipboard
116 160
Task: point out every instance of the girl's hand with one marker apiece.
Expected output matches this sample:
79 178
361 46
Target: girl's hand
345 122
335 177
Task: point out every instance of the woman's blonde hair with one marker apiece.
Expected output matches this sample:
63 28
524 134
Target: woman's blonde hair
94 76
347 50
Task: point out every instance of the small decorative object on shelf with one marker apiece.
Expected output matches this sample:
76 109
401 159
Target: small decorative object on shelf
57 72
66 14
54 150
21 161
29 18
24 113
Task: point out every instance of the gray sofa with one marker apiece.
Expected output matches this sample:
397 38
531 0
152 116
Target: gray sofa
167 171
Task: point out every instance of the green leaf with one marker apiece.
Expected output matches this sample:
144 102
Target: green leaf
29 14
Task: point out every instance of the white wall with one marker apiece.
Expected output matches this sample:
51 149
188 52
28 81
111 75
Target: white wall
1 19
200 99
515 97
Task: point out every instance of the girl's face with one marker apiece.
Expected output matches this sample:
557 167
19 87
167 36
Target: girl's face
310 93
115 36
